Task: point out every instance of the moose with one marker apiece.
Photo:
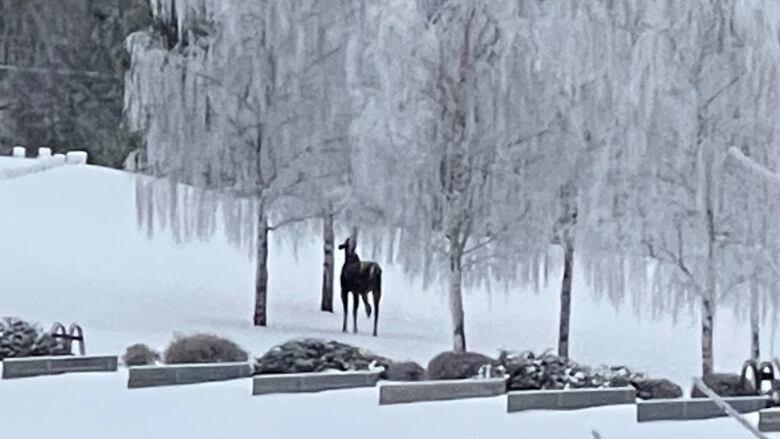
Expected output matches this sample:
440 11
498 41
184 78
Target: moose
359 278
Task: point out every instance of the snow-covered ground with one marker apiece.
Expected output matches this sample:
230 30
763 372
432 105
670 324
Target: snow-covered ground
70 251
99 406
11 162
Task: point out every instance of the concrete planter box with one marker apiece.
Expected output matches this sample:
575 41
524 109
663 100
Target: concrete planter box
175 375
571 399
769 420
312 382
696 408
400 393
37 366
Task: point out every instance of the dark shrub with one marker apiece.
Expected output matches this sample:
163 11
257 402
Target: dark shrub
725 384
203 348
656 389
22 339
529 371
140 355
404 371
452 365
315 355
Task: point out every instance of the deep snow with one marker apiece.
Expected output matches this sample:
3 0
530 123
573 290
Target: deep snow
70 251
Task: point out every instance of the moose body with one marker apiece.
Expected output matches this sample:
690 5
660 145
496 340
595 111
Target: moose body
359 278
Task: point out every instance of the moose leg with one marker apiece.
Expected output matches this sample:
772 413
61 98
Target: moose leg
355 306
376 312
368 305
345 301
377 297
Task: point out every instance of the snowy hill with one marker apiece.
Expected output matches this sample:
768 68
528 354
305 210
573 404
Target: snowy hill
70 250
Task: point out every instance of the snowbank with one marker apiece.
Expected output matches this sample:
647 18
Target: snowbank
124 288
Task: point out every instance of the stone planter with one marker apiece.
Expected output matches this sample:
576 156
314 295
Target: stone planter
440 390
180 374
696 408
37 366
312 382
570 399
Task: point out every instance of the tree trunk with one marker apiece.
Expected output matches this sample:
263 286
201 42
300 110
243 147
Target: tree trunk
261 275
708 313
353 238
565 316
707 323
456 297
326 303
755 346
709 295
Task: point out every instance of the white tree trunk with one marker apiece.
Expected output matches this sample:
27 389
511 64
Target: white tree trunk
755 346
710 281
326 303
353 238
565 314
456 297
707 325
708 306
261 275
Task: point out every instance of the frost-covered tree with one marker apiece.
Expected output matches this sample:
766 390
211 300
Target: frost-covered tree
687 106
752 198
441 133
225 94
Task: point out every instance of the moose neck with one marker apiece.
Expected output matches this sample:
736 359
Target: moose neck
350 257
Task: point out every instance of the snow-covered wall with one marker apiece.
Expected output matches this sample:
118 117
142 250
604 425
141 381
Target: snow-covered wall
44 162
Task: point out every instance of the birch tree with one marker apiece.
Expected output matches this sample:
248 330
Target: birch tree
453 176
689 116
752 198
224 95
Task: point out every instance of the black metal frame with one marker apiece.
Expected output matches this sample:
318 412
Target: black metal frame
764 371
74 333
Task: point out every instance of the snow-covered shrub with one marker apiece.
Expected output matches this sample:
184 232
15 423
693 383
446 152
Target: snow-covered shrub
22 339
657 389
140 355
528 371
203 348
314 355
452 365
404 371
725 384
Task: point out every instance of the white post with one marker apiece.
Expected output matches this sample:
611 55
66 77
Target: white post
19 152
76 158
44 153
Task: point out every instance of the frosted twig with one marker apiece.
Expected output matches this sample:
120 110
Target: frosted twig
728 409
736 155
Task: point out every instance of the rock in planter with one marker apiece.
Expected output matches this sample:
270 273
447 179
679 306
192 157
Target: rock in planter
454 366
656 389
548 371
314 355
725 384
404 371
